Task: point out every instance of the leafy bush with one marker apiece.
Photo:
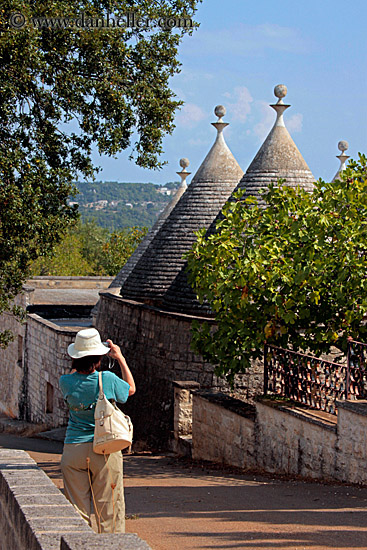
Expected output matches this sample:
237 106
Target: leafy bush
293 273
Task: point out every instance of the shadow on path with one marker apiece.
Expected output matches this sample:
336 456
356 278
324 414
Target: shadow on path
173 504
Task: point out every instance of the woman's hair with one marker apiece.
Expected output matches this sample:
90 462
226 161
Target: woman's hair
86 364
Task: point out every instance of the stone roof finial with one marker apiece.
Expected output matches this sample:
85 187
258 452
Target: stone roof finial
280 91
184 163
342 146
220 111
277 158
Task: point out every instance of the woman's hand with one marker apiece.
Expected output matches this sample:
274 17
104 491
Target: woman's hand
115 351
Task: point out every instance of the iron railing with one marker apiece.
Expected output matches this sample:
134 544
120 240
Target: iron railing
357 369
306 379
315 382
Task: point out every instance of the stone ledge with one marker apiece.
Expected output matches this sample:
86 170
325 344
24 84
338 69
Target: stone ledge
186 385
55 328
357 407
230 403
92 541
182 446
323 420
143 306
27 524
20 427
44 519
64 281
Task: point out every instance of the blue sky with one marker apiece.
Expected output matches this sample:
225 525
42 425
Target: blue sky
237 56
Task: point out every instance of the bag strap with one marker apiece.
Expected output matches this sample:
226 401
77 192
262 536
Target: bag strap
101 392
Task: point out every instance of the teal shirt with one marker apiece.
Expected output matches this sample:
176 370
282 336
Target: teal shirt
80 392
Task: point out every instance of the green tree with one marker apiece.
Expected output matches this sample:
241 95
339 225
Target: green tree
80 253
66 259
293 273
88 249
93 238
120 246
108 82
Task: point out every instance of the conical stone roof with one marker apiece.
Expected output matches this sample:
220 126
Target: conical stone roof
138 253
278 157
181 298
211 186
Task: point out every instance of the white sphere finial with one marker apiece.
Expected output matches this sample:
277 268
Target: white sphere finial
280 91
184 163
220 111
343 146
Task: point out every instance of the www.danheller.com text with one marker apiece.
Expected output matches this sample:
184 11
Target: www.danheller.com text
83 21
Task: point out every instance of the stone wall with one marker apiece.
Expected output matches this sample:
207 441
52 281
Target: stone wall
157 348
12 361
182 422
281 439
182 417
46 359
156 345
351 460
35 515
69 282
291 443
223 430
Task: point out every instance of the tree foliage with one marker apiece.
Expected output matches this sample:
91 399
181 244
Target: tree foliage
63 91
120 246
88 249
293 273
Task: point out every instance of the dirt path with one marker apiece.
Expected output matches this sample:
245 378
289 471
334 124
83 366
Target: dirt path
175 505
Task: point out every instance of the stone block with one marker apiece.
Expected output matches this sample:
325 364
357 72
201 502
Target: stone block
93 541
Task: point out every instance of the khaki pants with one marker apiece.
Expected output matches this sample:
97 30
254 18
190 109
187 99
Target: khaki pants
89 476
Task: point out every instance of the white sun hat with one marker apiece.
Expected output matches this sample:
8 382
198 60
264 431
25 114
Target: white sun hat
87 342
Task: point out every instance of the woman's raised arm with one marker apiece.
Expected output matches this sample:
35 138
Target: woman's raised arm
115 353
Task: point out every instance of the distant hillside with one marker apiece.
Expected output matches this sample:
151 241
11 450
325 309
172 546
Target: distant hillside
117 205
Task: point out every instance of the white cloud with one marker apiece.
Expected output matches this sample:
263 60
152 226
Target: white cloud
190 115
241 108
294 124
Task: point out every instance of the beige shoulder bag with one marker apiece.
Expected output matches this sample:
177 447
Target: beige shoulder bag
113 429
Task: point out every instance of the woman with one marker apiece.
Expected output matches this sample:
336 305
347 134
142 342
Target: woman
89 476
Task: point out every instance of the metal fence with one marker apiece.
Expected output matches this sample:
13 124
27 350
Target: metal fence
357 370
315 382
306 379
